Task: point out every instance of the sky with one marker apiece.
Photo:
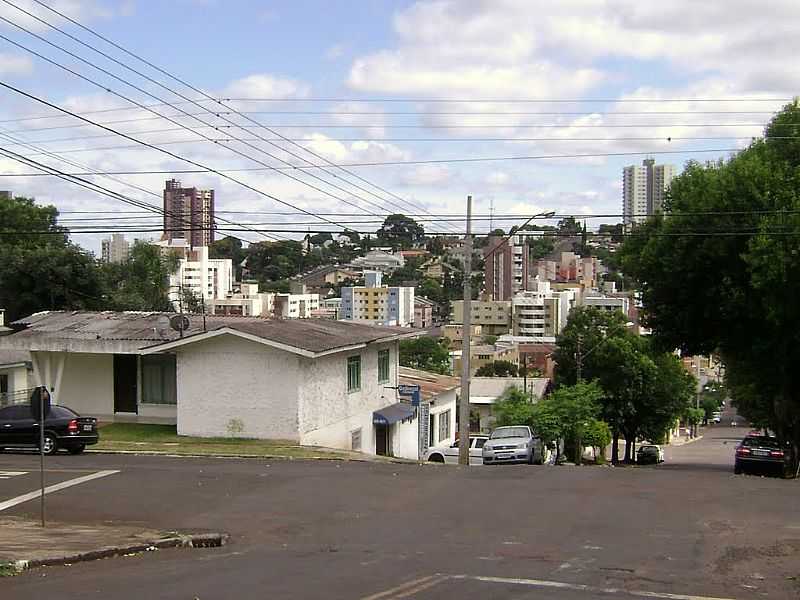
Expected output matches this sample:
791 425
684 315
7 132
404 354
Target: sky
431 85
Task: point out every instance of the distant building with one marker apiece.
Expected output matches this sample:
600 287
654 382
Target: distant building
570 267
207 278
115 249
494 316
540 314
484 354
188 214
248 301
609 303
378 260
322 279
378 304
433 268
6 195
423 312
295 306
643 190
506 266
455 334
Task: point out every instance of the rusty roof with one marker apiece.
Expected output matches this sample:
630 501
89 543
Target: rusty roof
148 329
430 384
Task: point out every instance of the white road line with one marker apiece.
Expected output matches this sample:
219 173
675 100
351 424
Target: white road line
583 588
54 488
7 474
400 588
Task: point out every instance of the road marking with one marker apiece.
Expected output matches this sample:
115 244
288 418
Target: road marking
583 588
409 587
54 488
10 474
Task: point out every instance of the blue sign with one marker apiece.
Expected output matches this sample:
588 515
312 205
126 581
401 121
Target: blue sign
410 390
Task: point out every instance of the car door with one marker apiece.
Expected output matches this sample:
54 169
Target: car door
18 425
6 425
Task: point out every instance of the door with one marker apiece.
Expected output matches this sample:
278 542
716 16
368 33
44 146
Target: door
382 441
125 383
17 425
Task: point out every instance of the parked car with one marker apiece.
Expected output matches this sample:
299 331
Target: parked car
649 454
449 453
717 417
63 428
513 444
762 453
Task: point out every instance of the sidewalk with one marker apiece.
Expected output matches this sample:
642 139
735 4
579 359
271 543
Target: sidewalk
24 544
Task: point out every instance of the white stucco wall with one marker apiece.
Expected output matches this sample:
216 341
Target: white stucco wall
405 439
328 414
87 384
19 378
441 403
230 387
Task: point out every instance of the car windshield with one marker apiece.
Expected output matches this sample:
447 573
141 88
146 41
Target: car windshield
510 432
764 442
648 449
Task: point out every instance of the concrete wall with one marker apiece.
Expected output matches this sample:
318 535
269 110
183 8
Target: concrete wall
87 385
405 439
442 403
328 414
230 387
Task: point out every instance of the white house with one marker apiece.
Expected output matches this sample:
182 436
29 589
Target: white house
312 381
379 260
15 376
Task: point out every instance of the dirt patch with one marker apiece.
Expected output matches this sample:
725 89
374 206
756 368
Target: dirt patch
735 555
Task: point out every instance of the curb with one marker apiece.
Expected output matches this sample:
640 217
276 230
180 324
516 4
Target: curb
203 540
397 461
689 441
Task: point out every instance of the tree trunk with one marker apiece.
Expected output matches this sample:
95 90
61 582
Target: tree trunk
615 447
578 451
627 449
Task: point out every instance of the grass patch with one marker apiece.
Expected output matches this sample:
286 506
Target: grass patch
164 438
8 570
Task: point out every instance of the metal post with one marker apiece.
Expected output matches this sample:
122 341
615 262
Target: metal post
579 359
463 408
41 450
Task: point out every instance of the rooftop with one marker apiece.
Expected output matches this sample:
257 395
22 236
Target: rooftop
430 384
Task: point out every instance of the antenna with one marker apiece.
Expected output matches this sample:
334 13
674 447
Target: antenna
491 214
179 323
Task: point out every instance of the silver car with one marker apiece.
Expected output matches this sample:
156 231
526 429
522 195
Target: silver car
514 444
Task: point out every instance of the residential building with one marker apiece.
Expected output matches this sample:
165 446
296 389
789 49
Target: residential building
540 313
207 278
455 335
506 266
329 308
423 312
414 253
643 190
494 316
433 268
378 260
570 267
16 376
439 403
247 301
115 249
378 304
322 279
610 303
317 382
295 306
6 195
485 391
483 354
188 214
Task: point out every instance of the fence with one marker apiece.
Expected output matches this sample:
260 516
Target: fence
17 397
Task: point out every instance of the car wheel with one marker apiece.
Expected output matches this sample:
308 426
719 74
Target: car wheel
77 449
50 444
437 458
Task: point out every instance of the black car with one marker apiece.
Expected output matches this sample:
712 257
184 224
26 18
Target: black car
762 453
63 428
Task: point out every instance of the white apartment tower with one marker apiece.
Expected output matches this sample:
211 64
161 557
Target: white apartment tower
115 249
643 190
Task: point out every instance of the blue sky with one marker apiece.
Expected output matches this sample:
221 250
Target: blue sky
502 52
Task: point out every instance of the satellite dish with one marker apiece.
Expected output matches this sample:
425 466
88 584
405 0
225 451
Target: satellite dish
162 326
179 323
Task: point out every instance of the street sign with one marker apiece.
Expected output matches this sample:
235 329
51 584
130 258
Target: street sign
424 424
412 390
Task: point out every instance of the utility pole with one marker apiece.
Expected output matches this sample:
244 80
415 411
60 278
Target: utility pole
463 407
579 359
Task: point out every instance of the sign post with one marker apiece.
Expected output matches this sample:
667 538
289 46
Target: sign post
40 408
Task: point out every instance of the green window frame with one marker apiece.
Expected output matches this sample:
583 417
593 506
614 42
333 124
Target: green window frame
353 373
384 370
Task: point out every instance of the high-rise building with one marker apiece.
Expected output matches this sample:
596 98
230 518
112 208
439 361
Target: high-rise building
115 249
505 266
643 190
188 214
206 278
378 304
6 195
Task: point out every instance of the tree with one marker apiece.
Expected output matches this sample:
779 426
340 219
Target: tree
40 268
142 281
400 231
497 368
425 353
597 434
576 406
229 247
320 238
514 407
706 293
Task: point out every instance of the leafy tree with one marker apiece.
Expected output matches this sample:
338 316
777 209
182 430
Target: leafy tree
229 247
614 231
576 406
409 272
320 238
514 407
40 268
275 261
597 434
497 368
568 225
704 293
400 231
425 353
141 282
490 340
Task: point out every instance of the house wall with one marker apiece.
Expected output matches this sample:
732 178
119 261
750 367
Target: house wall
231 387
87 384
19 380
405 439
328 414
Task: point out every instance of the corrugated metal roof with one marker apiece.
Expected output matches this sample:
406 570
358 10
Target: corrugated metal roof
430 384
13 357
314 335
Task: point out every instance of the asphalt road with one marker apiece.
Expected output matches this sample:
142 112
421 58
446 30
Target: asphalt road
323 529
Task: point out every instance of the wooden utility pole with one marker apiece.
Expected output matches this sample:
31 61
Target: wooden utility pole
463 407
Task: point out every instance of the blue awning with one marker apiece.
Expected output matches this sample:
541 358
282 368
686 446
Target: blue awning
392 414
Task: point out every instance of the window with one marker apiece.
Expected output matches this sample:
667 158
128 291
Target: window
3 384
158 379
354 373
479 442
444 425
383 366
355 439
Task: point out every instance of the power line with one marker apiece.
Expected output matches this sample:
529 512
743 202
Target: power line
195 89
510 100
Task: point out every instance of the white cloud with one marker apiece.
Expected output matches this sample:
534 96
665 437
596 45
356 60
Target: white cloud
335 52
13 64
426 175
266 86
84 11
498 178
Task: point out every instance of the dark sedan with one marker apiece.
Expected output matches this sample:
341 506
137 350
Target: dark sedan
63 428
762 453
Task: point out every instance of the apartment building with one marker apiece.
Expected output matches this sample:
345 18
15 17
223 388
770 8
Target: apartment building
378 304
540 313
494 316
455 335
643 190
207 278
114 249
188 214
506 266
